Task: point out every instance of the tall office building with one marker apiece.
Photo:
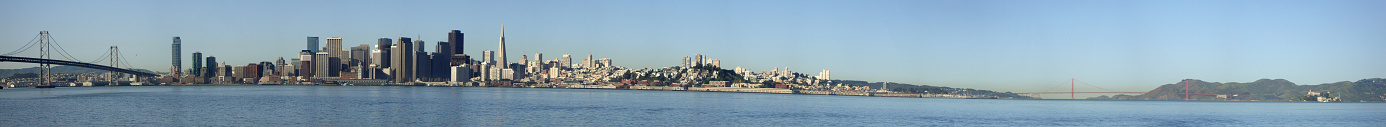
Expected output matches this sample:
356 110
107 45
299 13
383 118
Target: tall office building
334 48
567 61
177 56
503 62
539 58
322 65
373 70
279 67
590 61
488 57
444 48
455 40
360 58
313 44
403 60
421 60
687 61
383 44
305 62
699 59
197 64
211 67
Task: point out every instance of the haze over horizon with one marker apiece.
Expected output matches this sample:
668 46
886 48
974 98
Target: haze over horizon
1018 46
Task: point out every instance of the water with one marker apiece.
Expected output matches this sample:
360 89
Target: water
471 106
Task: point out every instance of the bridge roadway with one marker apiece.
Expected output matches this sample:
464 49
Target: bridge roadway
73 63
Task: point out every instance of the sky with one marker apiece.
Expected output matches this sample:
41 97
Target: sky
1017 46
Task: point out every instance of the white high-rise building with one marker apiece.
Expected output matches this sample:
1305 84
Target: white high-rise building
687 61
567 61
334 48
699 61
461 73
825 75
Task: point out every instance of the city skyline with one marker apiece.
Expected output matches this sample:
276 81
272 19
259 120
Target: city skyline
1130 49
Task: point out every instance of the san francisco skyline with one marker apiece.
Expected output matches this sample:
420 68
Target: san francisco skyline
994 46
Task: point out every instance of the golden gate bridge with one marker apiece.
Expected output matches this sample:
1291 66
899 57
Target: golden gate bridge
1072 93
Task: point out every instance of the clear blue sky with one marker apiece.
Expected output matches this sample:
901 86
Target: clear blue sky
1021 46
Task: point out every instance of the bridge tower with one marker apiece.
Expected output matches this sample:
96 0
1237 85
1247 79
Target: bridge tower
115 62
44 48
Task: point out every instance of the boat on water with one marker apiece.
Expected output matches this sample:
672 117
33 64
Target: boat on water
45 86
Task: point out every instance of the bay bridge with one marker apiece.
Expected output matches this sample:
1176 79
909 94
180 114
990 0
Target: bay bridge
51 53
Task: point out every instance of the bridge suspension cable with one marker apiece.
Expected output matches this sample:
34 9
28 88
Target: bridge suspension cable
26 47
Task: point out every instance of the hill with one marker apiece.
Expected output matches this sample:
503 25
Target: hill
1365 90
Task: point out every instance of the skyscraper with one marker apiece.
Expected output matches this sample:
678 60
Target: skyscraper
421 60
384 45
197 64
360 59
503 62
323 65
313 44
211 67
699 59
334 48
488 57
590 61
567 61
177 56
444 48
403 60
455 38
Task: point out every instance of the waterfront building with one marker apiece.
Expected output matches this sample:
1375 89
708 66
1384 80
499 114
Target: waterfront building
197 64
177 56
211 67
507 74
325 65
305 68
374 67
238 72
360 59
403 60
251 70
312 44
266 69
460 73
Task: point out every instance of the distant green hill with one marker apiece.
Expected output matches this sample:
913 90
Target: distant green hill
1365 90
58 70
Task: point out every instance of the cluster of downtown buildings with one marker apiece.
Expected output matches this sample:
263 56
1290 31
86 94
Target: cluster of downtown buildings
400 60
403 61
